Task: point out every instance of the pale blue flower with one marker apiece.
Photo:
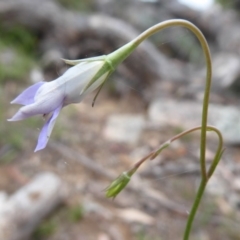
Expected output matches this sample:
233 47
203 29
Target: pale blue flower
48 98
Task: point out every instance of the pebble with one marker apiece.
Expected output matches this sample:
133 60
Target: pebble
187 114
124 128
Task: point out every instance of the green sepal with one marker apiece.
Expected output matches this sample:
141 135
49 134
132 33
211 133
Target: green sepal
112 60
107 67
92 59
118 185
122 53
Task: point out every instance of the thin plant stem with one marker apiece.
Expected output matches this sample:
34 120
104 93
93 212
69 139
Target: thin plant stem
194 209
155 153
218 155
207 55
204 45
168 142
203 183
122 54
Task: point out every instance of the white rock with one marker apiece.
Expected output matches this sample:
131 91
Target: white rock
226 69
25 209
36 75
124 128
3 199
217 186
236 184
103 236
134 215
187 114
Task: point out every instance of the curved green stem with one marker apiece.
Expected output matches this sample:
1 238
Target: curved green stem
207 54
119 55
203 183
194 209
218 154
122 54
168 142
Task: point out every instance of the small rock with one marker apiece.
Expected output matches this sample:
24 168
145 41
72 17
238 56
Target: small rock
124 128
226 69
217 186
187 114
103 236
236 184
36 75
26 208
3 199
134 215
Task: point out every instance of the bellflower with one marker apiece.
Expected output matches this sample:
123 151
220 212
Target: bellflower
48 98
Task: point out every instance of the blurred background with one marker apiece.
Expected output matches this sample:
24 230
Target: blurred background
58 193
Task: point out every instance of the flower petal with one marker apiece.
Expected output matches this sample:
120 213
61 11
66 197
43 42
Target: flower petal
19 116
84 60
47 129
27 96
75 79
43 105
